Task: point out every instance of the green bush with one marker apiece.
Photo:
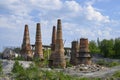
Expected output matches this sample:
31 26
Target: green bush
20 58
116 74
68 64
1 67
36 73
107 64
17 68
32 73
111 64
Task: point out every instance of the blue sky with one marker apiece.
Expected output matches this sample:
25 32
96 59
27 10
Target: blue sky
80 18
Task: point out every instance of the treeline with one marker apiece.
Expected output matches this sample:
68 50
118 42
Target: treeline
108 48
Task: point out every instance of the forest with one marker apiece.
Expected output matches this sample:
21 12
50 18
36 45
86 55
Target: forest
108 48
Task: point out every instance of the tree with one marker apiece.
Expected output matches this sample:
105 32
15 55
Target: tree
98 42
93 47
117 48
106 47
17 50
0 55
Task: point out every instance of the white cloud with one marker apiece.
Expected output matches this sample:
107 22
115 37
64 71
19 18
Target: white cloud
99 32
47 4
77 20
73 6
92 14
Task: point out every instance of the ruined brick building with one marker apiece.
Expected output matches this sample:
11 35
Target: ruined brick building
80 53
38 43
26 51
52 47
57 58
74 53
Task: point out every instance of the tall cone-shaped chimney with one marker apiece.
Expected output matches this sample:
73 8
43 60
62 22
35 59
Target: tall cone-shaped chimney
38 43
53 39
59 58
52 47
26 51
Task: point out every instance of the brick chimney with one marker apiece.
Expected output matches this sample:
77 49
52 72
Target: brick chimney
26 51
38 43
74 53
59 58
84 53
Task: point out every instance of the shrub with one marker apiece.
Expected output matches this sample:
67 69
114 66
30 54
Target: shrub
17 68
116 74
20 58
113 64
108 64
0 67
68 64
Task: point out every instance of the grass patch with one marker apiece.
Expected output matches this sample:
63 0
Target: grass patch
116 74
107 64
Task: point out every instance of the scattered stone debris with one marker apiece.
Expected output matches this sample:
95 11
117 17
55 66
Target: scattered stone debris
82 68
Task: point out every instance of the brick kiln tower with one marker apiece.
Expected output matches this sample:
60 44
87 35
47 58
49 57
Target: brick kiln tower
52 46
26 51
84 53
74 53
59 58
53 39
38 43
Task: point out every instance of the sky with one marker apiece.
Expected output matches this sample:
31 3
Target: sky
80 19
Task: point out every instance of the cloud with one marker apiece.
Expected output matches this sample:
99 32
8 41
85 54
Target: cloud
92 14
77 20
73 6
46 4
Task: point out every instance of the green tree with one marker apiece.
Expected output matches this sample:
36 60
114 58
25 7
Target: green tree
98 42
93 47
17 50
106 47
117 48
